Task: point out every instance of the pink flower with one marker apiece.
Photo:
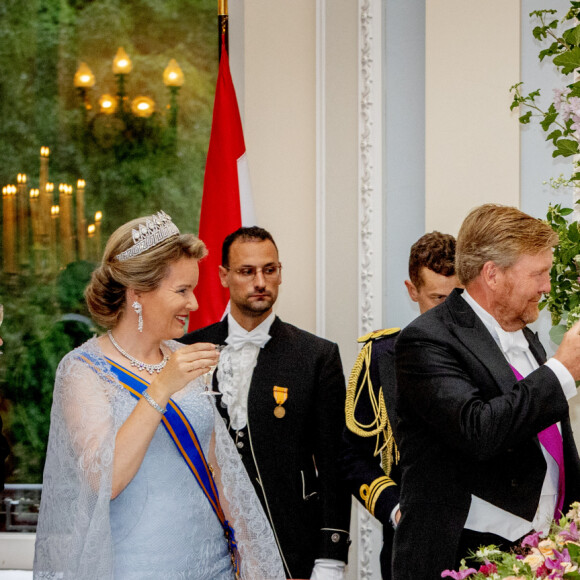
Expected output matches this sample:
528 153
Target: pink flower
570 535
459 575
560 564
532 540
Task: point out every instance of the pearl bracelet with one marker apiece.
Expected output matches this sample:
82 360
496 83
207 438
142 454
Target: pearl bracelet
152 402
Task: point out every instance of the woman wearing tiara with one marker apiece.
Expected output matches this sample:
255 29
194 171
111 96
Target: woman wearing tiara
141 479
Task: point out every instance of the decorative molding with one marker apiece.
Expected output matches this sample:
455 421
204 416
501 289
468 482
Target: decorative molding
321 167
370 223
365 544
370 175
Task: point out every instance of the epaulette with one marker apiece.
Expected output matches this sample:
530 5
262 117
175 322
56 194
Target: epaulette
360 385
378 334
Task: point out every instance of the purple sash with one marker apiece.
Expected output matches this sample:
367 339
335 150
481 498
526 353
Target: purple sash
551 440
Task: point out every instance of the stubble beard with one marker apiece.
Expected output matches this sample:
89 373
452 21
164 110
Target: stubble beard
256 308
508 321
530 314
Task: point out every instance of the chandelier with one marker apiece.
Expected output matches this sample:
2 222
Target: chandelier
127 125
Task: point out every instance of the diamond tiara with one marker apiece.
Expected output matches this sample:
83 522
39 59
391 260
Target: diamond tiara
157 228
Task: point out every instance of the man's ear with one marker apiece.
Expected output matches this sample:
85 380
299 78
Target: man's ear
490 273
412 290
223 273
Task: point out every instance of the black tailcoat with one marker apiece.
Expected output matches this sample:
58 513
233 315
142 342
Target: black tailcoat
360 464
467 426
295 457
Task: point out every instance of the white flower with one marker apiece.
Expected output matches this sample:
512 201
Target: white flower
547 548
485 552
535 559
569 567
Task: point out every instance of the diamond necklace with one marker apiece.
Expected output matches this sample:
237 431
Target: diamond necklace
137 363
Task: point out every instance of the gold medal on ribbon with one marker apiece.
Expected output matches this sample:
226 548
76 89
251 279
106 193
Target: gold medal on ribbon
280 396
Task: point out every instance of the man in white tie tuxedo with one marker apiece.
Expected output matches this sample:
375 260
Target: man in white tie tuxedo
282 398
487 453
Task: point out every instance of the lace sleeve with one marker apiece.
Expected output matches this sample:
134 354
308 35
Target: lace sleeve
73 535
258 551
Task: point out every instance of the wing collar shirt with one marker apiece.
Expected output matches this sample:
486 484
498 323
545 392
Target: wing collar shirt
236 367
483 516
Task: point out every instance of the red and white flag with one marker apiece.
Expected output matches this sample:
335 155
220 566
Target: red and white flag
227 202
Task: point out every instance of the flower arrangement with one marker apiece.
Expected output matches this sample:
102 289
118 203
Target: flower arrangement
561 123
557 555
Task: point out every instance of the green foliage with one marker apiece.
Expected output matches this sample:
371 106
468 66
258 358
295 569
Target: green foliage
561 122
563 301
35 339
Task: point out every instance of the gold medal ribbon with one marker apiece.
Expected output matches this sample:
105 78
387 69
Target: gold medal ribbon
280 395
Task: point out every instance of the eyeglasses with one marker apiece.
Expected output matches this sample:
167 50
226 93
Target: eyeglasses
249 273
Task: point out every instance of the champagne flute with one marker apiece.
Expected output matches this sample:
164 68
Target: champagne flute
208 377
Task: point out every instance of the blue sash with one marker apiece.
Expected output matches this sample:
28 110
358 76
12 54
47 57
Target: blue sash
183 435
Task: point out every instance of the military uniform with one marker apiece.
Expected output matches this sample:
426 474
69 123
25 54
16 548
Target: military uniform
369 459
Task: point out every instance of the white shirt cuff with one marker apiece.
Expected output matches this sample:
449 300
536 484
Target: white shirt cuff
328 569
564 376
394 515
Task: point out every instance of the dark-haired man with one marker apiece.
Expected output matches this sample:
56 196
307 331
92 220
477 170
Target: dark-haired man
487 452
282 397
370 455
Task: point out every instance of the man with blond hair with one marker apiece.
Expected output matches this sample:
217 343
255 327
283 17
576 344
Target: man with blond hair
487 452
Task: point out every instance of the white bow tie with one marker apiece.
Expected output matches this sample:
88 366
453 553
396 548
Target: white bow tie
238 339
512 341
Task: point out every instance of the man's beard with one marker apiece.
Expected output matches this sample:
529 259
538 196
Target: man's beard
508 319
257 307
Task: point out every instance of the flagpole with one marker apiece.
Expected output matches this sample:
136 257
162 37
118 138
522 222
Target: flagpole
226 202
223 26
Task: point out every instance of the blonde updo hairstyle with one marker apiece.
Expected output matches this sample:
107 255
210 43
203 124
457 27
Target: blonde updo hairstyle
106 292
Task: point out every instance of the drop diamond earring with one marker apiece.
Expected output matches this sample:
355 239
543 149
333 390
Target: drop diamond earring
139 310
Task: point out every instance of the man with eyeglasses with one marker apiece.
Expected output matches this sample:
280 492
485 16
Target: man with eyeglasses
282 398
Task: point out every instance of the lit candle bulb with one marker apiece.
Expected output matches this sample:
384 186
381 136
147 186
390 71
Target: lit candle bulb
66 241
9 229
22 220
36 227
54 211
44 203
81 222
98 218
91 229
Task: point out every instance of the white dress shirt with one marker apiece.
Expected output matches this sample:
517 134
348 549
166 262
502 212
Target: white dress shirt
236 367
483 516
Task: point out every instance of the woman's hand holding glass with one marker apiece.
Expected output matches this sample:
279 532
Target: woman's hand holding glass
184 365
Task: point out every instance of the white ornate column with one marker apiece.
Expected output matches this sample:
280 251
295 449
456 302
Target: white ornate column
370 227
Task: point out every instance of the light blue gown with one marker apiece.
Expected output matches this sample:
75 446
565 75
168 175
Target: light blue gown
162 525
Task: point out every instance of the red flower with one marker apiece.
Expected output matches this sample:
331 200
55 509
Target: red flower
489 568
